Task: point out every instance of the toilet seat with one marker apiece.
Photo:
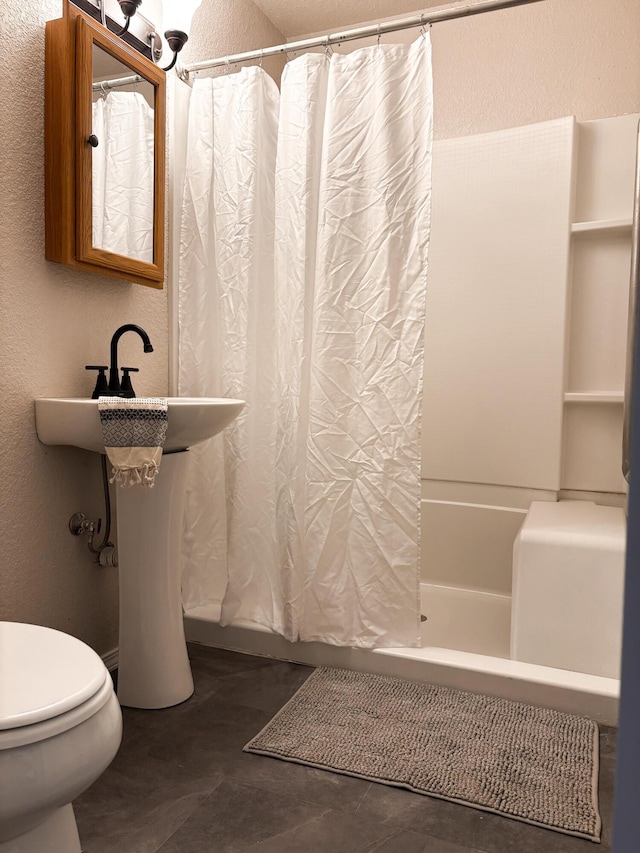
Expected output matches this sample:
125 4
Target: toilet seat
67 683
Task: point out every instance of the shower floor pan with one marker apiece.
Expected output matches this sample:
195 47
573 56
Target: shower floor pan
465 645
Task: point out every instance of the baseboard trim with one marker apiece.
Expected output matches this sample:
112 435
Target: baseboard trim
110 659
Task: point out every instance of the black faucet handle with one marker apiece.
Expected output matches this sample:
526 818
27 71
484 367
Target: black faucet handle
102 386
125 386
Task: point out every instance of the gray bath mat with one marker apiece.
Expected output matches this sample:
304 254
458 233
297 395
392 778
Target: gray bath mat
531 764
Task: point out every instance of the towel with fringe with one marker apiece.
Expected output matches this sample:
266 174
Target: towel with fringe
133 431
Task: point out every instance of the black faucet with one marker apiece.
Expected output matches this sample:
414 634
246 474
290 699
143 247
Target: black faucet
115 389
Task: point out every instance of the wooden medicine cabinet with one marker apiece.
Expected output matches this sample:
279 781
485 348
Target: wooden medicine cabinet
104 152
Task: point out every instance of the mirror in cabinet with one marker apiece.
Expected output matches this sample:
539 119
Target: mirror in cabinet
104 152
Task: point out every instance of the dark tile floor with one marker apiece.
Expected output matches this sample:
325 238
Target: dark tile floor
181 784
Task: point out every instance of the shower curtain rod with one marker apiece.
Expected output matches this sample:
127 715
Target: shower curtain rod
101 85
447 13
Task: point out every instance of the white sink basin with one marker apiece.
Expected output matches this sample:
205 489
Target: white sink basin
76 421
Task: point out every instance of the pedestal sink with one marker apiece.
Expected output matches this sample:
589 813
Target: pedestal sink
153 668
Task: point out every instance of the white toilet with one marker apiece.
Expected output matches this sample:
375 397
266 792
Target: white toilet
60 728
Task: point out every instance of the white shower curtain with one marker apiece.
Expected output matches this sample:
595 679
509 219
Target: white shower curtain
122 175
302 290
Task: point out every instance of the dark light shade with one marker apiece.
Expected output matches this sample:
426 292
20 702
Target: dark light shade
176 40
129 7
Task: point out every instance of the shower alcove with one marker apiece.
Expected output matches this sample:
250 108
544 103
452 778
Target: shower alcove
524 373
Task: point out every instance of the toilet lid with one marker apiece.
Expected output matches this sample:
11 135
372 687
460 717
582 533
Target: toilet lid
44 673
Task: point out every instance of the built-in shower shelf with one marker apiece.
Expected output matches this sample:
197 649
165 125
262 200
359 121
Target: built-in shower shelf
595 226
594 397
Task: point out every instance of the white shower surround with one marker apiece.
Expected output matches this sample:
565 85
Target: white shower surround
604 164
573 692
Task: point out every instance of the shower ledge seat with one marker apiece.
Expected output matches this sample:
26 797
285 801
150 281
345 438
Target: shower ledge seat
153 665
568 586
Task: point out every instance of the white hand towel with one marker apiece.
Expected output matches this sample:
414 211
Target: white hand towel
133 431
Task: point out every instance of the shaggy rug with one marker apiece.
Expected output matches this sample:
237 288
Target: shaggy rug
531 764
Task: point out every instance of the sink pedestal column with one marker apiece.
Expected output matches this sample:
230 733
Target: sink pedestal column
153 669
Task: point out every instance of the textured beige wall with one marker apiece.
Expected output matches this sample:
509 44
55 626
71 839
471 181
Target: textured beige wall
526 64
223 27
53 321
537 62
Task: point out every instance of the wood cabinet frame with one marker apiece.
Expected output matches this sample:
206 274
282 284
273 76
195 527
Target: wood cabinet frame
68 216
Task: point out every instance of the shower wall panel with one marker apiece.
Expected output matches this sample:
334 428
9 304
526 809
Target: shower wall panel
468 530
599 307
496 306
606 159
469 545
601 252
525 339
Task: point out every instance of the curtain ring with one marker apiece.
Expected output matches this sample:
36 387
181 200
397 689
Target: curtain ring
424 28
378 35
261 57
327 47
102 89
227 66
